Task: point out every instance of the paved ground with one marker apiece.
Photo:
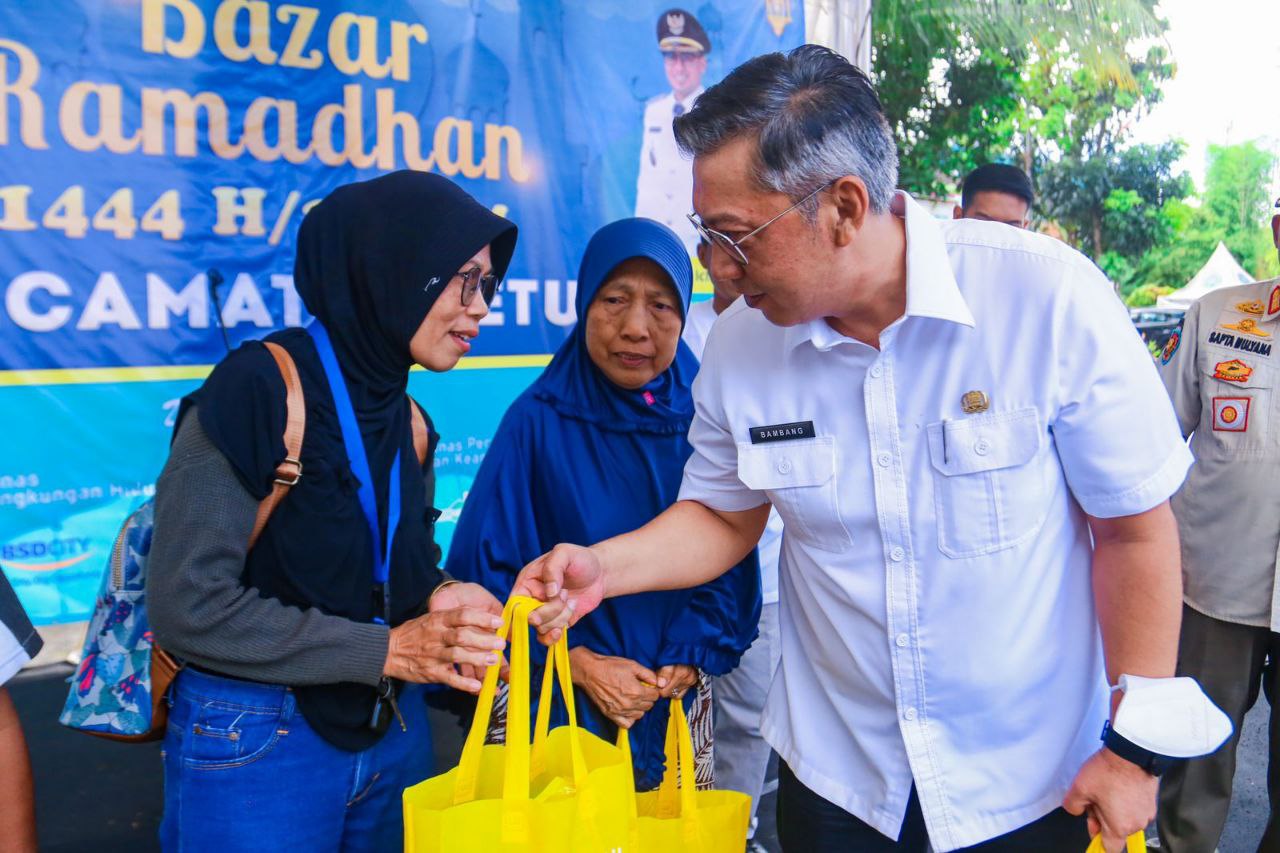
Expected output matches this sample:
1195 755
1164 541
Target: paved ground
98 795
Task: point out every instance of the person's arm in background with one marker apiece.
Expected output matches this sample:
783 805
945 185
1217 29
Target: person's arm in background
1179 373
19 643
17 793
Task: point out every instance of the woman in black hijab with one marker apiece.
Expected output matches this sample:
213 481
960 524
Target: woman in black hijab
298 719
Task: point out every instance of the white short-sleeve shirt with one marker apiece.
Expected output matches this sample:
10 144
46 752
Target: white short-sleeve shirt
937 615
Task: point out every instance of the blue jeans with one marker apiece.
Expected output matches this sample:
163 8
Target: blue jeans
244 771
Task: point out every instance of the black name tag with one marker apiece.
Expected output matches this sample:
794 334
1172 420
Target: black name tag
782 432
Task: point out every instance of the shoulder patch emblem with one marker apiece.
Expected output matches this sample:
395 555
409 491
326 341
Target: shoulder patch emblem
1254 307
1231 414
1248 326
1234 370
1171 346
1273 303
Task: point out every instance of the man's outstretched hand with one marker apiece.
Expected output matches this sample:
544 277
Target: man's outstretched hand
570 579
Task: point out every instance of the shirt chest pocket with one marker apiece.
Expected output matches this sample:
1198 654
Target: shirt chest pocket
990 481
800 478
1237 400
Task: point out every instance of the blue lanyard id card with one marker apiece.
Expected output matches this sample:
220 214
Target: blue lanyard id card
359 462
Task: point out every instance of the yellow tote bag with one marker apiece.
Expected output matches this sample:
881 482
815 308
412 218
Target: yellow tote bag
1136 843
571 791
683 818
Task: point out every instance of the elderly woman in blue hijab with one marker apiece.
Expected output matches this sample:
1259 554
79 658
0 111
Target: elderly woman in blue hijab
596 447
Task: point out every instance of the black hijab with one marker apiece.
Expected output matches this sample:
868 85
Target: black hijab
373 258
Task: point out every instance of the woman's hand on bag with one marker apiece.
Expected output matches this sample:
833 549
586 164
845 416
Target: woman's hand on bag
622 689
675 678
456 594
430 649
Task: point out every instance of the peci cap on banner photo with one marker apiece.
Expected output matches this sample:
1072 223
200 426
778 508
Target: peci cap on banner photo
680 32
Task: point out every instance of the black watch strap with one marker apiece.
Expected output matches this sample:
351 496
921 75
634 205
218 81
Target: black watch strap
1152 762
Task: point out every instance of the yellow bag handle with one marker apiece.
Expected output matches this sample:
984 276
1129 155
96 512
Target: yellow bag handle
515 783
518 762
682 764
1136 843
469 763
558 667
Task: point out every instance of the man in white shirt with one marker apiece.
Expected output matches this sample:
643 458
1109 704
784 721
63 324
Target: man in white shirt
665 183
741 752
972 455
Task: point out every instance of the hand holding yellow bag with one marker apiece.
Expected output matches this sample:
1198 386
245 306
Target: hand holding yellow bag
685 819
570 792
1136 843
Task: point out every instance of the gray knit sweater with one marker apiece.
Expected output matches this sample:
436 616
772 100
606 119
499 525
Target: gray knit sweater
199 609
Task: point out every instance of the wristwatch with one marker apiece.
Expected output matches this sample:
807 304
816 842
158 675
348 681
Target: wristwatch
1161 721
1152 762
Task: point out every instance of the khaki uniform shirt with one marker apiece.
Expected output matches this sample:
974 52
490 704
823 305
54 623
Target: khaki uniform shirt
1222 369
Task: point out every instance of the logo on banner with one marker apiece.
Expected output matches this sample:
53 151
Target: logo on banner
1231 414
1234 370
779 14
44 555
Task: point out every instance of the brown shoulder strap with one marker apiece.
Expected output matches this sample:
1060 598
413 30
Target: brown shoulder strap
289 471
421 437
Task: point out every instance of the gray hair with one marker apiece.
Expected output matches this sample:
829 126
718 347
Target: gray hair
815 116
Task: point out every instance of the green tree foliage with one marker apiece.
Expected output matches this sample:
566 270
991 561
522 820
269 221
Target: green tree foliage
1146 295
1234 209
965 82
1055 88
1112 205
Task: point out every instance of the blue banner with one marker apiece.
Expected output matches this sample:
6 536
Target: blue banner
159 155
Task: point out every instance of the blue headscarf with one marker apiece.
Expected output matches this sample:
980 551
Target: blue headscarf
579 459
575 387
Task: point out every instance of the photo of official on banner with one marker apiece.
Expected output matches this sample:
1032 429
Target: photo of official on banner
157 164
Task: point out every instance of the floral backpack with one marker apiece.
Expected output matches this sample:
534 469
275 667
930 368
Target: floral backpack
118 690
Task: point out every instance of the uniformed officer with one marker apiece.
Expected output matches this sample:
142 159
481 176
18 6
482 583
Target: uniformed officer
664 189
1221 369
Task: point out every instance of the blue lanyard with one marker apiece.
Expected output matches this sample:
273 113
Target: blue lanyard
359 462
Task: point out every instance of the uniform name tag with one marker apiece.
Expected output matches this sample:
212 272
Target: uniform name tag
782 432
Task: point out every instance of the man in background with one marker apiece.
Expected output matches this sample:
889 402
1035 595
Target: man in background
996 192
664 189
741 752
19 643
1220 369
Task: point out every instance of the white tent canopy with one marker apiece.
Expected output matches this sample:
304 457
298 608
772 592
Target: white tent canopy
1221 270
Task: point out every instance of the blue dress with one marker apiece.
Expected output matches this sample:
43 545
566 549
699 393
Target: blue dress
578 459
